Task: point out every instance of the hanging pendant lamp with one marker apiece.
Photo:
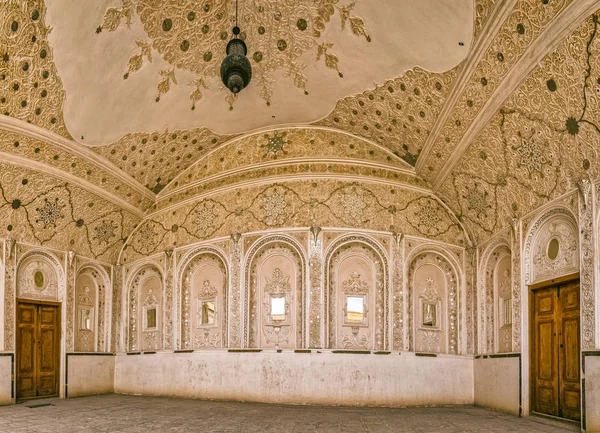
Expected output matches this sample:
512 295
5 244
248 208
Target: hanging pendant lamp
236 71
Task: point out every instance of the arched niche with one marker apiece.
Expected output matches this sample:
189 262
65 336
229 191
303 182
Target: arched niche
356 298
552 247
275 302
433 303
145 309
91 318
40 277
495 298
204 280
503 301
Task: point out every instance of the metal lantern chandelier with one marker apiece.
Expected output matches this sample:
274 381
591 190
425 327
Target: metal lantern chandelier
236 71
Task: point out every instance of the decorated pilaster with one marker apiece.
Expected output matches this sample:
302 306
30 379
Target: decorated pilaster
515 249
470 303
10 268
71 275
479 333
235 292
117 316
586 263
398 291
168 334
316 289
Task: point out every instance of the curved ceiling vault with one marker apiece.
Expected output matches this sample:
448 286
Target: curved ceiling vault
467 114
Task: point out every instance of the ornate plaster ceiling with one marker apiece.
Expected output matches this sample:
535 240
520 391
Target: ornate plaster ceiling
305 56
544 139
485 133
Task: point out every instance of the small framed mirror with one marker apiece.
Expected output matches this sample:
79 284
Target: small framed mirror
206 313
355 309
429 315
278 308
87 320
151 318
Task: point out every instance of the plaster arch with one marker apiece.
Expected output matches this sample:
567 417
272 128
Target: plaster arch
146 279
441 334
560 224
376 289
288 253
276 143
192 263
52 282
487 275
99 301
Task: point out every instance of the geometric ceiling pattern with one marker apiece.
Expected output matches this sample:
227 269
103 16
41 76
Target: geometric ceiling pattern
511 122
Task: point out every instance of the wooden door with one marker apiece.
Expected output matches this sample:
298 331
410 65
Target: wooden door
555 345
38 350
568 352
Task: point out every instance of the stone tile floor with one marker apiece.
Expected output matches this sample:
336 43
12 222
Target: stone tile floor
124 413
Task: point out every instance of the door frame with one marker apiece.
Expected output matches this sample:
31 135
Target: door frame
58 344
530 379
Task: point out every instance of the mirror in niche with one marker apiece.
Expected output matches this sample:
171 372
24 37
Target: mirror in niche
355 309
87 320
277 308
150 318
206 313
429 315
553 249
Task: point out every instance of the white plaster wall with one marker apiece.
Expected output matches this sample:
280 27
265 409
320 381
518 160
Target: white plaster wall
5 380
294 378
592 393
90 375
496 383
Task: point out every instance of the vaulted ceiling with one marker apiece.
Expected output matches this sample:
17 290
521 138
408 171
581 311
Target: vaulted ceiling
489 107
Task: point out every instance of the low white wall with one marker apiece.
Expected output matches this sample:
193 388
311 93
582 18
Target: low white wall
90 374
300 378
497 383
592 393
5 379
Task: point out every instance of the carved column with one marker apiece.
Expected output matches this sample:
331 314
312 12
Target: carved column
71 274
168 334
235 292
586 263
470 301
398 292
480 331
117 316
516 249
316 290
10 270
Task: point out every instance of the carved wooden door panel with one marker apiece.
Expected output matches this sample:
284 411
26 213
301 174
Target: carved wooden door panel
556 351
545 351
26 364
38 349
568 353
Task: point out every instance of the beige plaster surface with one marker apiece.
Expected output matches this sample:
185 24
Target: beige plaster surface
90 375
294 378
5 380
592 393
101 106
496 383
